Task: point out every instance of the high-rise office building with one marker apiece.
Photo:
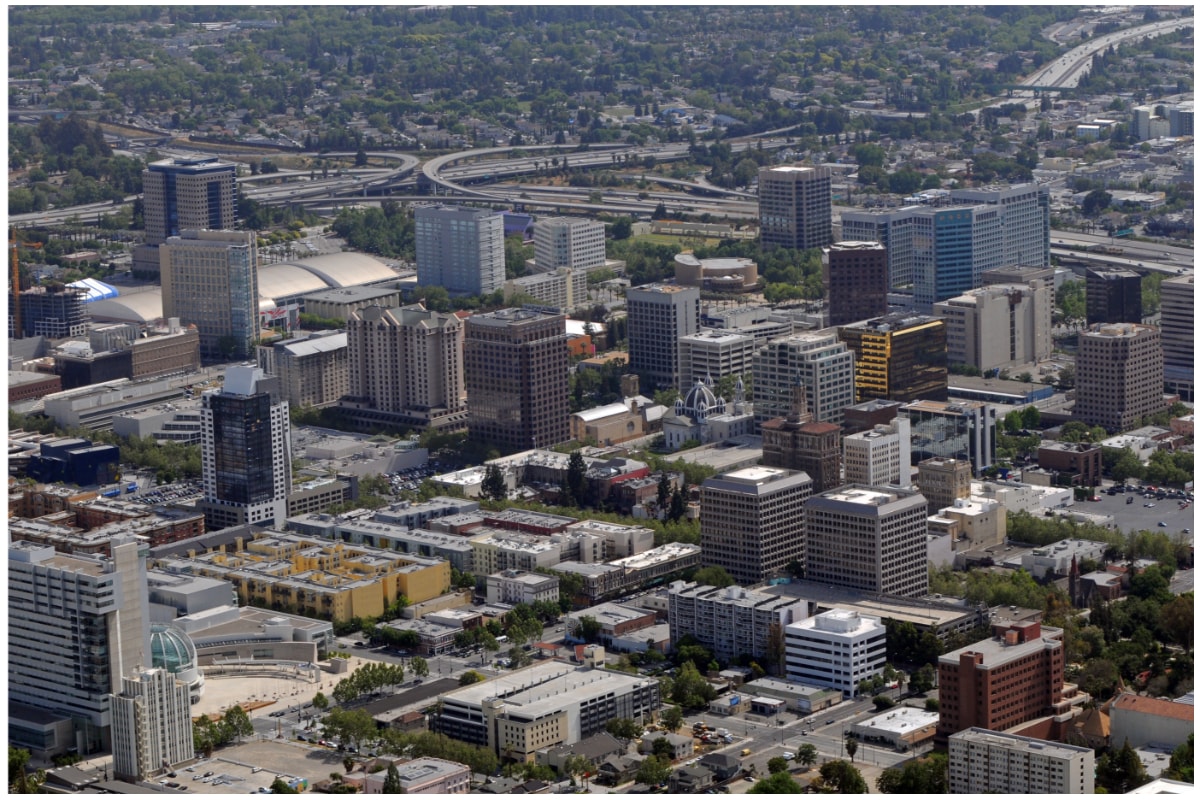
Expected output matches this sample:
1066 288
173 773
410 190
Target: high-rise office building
715 354
1113 295
570 242
1178 296
1118 375
836 649
942 250
210 280
795 207
880 457
998 325
406 367
184 194
991 762
515 363
659 314
76 625
152 725
817 361
897 357
962 429
246 451
868 538
857 277
460 249
752 521
1012 678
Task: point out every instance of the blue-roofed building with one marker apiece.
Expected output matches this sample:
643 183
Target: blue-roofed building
518 225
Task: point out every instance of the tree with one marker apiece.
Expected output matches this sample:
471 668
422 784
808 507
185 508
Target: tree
663 748
577 482
391 781
713 576
672 718
622 228
1183 762
351 727
654 770
419 666
778 783
469 677
690 689
928 775
1096 201
20 781
842 778
806 755
237 724
576 764
624 728
279 786
851 747
493 486
587 628
777 764
1120 771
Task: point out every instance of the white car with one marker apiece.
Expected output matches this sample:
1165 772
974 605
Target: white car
789 756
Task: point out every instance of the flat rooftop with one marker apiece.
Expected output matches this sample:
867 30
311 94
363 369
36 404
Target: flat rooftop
899 720
543 688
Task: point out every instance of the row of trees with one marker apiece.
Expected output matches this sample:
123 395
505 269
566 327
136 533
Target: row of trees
233 725
368 679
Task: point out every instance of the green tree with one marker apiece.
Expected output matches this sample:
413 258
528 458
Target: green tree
1120 771
237 724
320 701
279 786
929 775
654 770
19 780
1183 762
419 666
587 628
777 764
354 727
624 728
851 747
493 486
577 482
1096 201
806 755
672 718
841 777
469 677
690 689
713 576
778 783
391 781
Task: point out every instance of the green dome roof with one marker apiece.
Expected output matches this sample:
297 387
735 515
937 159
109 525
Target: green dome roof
171 649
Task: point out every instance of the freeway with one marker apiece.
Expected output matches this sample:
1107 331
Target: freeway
1068 69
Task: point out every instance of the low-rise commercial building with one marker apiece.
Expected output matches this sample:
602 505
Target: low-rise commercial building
424 776
836 649
902 728
514 586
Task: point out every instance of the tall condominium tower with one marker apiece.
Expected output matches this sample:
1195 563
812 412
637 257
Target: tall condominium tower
658 315
460 249
868 538
152 725
1178 297
897 357
1118 375
817 361
857 277
515 362
998 325
76 625
406 367
1113 295
795 207
568 242
752 521
246 451
210 280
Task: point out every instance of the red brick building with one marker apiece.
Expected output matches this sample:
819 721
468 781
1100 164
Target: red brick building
1012 678
1079 461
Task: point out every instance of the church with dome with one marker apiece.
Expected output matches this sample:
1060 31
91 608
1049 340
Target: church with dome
706 418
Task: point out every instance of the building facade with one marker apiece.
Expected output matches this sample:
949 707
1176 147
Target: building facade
714 354
991 762
836 649
210 280
732 621
1113 295
406 366
515 363
998 326
868 538
857 277
880 457
1118 375
313 372
246 451
944 480
188 194
962 429
56 312
571 242
1177 322
77 624
152 725
460 249
819 362
898 357
659 315
752 521
795 207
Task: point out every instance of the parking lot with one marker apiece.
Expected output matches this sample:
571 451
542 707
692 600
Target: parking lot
1144 513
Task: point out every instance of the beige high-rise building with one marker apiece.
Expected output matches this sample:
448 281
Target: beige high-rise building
752 521
944 480
991 762
715 354
570 242
795 206
313 371
881 456
406 367
998 325
868 538
1118 375
184 194
1178 322
817 361
152 725
210 280
659 314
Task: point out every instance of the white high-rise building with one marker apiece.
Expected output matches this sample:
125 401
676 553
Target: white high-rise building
991 762
819 362
715 354
659 314
836 649
152 725
76 624
460 249
881 456
568 242
245 450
